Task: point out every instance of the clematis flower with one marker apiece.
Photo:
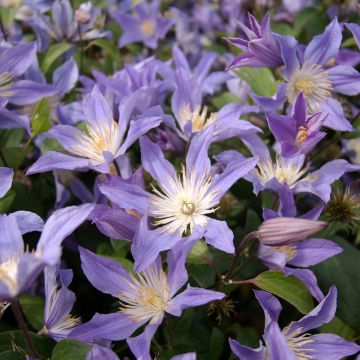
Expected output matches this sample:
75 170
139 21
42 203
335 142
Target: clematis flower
144 298
298 133
59 300
182 202
14 61
294 342
293 172
146 25
313 75
104 139
261 47
355 29
192 117
64 24
19 268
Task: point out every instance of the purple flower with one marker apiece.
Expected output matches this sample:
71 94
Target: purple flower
146 25
104 140
65 25
193 118
144 298
19 268
355 29
181 203
6 177
261 47
298 133
59 300
294 342
311 73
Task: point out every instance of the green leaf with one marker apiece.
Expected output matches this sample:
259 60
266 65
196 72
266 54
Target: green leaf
288 288
12 355
15 339
261 80
107 46
183 324
199 254
338 327
70 349
33 308
54 52
216 344
40 121
342 271
7 201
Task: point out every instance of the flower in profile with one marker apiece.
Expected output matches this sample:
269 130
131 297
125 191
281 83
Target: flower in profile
294 342
298 133
144 298
181 204
145 24
103 140
59 300
261 47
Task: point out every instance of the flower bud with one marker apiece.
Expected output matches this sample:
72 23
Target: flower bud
287 230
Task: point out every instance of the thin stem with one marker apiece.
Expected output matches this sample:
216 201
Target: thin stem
240 282
117 168
21 322
239 250
2 27
171 332
3 159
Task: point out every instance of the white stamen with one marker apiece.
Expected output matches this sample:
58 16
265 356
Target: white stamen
313 81
296 343
184 204
283 171
96 140
9 272
149 296
199 117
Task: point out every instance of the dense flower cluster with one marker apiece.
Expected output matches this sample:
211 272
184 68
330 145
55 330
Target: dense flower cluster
181 153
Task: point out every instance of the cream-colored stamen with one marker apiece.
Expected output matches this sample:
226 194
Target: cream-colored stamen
148 27
313 81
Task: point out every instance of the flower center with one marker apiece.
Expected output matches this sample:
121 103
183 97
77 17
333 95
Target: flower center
284 171
313 81
187 207
183 203
199 117
95 141
301 135
298 344
288 250
148 27
148 297
9 272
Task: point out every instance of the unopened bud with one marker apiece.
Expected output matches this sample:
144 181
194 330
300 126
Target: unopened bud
287 230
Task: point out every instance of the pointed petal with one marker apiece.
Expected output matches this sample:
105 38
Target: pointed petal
218 234
6 177
246 353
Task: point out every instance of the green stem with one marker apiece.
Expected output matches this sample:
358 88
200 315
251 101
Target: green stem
21 322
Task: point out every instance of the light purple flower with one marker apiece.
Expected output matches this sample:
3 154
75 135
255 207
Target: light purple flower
182 203
298 133
59 300
310 71
144 298
146 25
261 47
294 342
6 178
104 140
19 268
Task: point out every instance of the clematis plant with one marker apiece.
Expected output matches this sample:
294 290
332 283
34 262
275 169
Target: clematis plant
182 203
144 297
294 342
104 139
